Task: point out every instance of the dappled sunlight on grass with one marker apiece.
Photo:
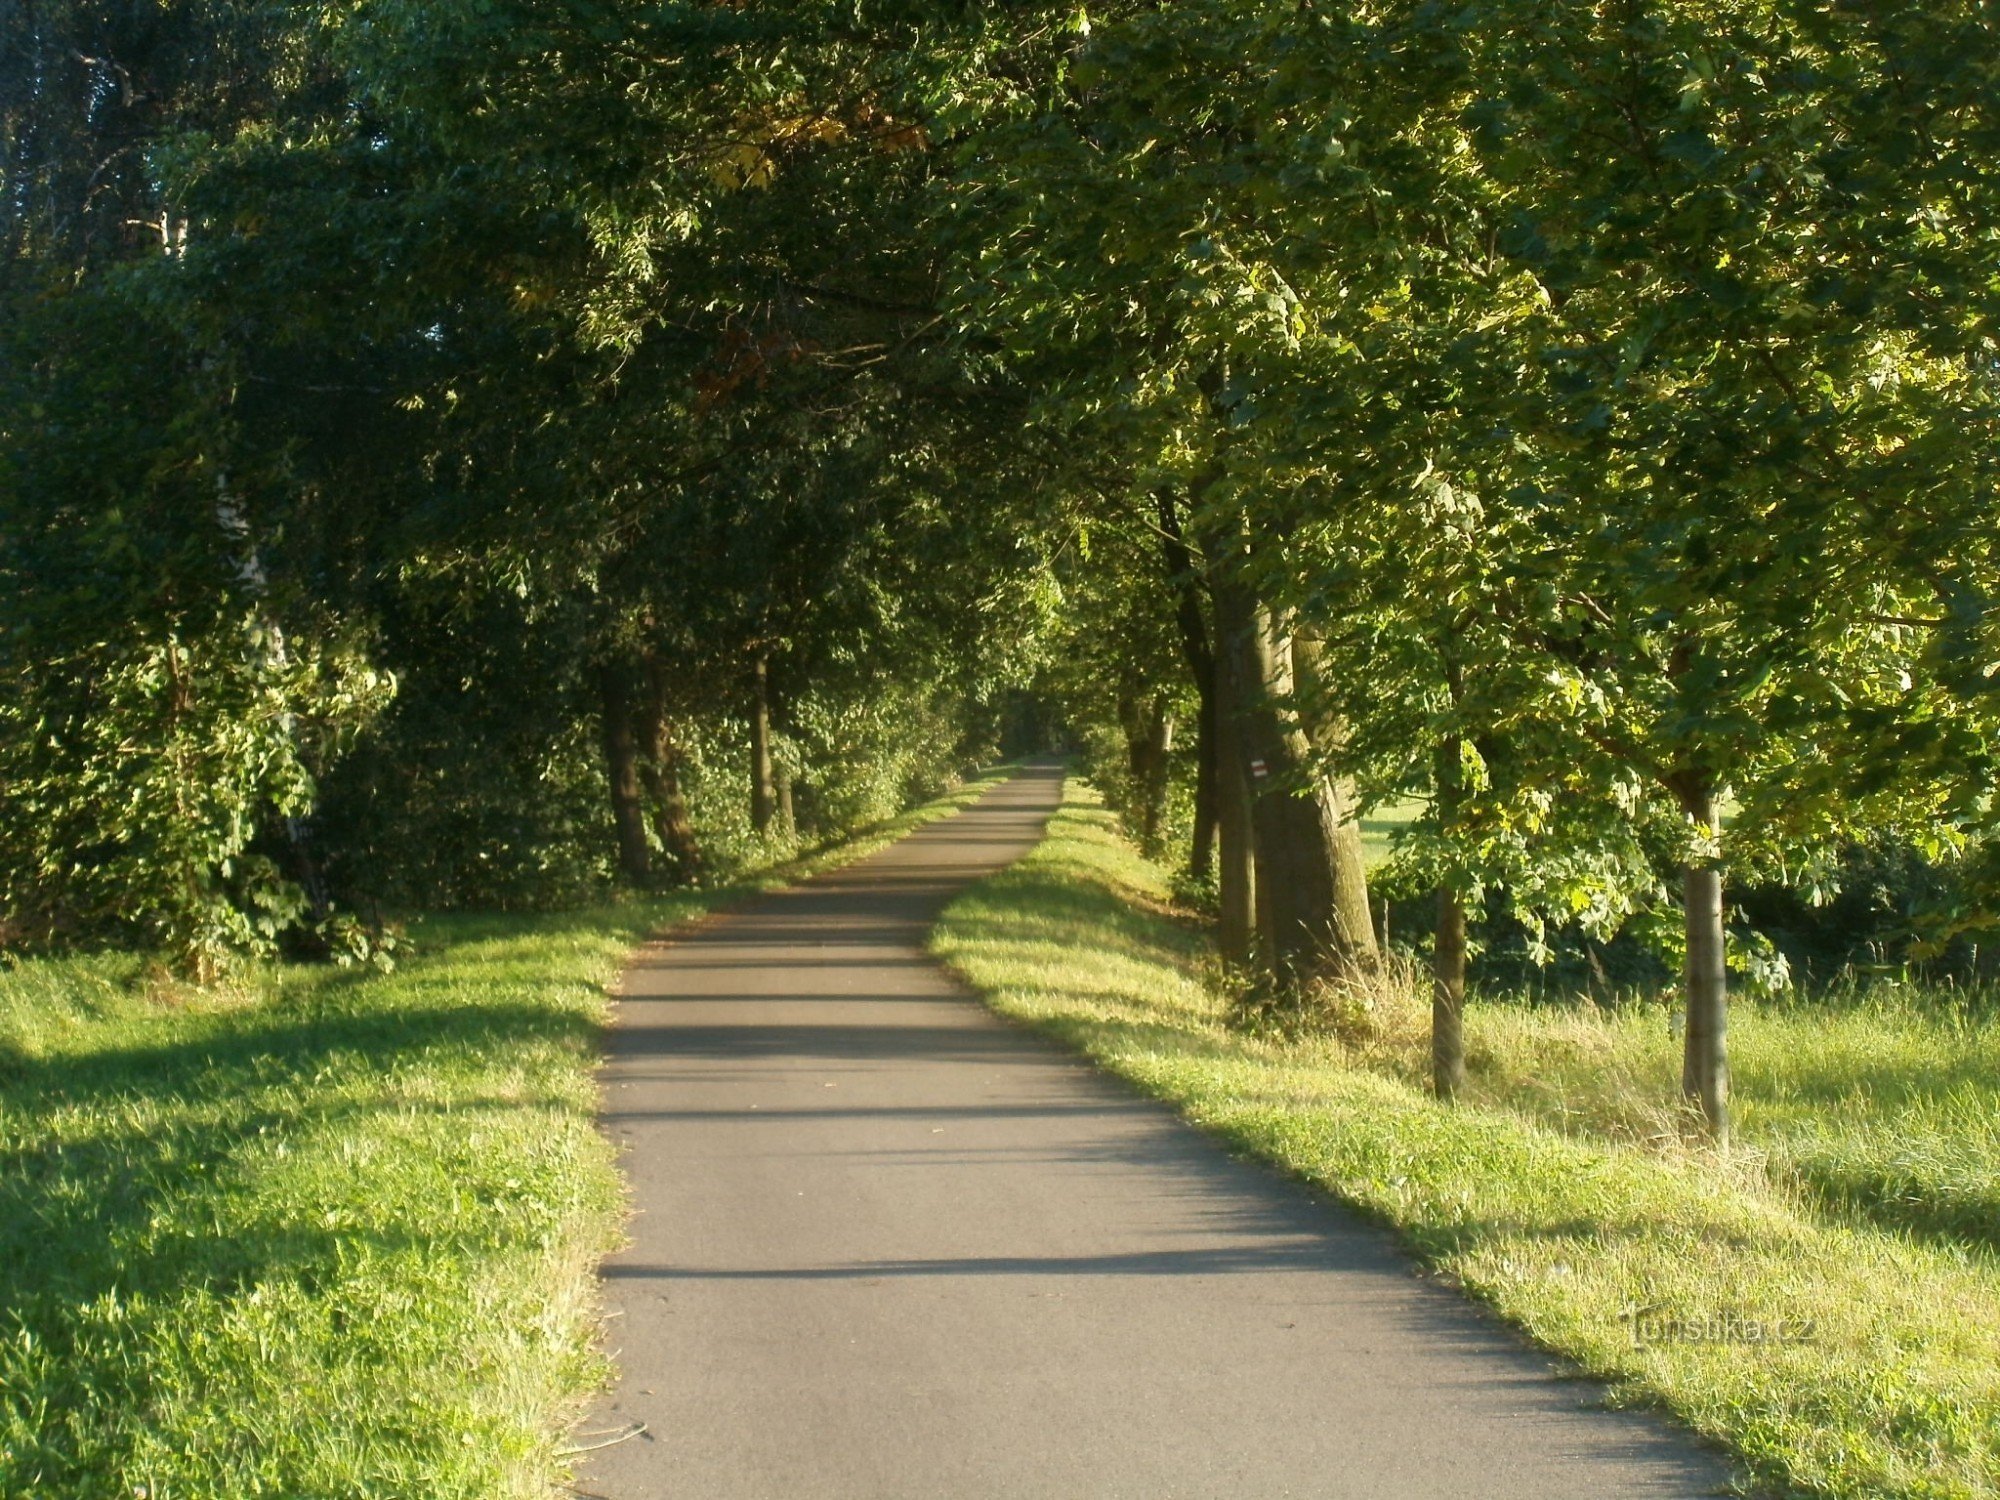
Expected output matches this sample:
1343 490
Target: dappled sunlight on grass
1562 1192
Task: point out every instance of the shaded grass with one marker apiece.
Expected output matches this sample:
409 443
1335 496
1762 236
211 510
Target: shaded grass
331 1233
1554 1200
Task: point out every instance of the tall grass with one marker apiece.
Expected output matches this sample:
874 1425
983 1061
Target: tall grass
1881 1103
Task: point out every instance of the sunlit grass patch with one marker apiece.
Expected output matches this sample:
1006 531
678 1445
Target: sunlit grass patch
1836 1345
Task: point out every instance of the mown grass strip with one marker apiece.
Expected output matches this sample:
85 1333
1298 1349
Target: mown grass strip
1836 1358
330 1234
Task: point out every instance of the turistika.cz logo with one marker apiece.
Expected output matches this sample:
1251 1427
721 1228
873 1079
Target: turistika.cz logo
1655 1325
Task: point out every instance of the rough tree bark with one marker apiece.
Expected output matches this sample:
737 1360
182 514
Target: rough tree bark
1237 867
763 790
788 823
1295 818
783 809
621 770
1207 788
1326 736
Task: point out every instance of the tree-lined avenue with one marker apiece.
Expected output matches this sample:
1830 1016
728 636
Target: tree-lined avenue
887 1245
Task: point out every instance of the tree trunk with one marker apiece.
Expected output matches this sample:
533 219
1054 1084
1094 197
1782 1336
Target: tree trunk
1326 735
1159 747
1705 1061
1184 579
1207 788
763 790
1297 909
660 772
1448 951
1149 739
1302 920
1351 901
1448 997
621 770
787 819
1131 724
1235 844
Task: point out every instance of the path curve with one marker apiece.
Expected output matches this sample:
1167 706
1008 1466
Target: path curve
890 1246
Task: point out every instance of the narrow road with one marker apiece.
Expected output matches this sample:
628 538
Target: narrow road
890 1246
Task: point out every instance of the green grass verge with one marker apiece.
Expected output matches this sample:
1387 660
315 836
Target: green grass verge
330 1234
1544 1200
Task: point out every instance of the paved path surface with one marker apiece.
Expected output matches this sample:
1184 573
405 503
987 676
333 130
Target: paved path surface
890 1247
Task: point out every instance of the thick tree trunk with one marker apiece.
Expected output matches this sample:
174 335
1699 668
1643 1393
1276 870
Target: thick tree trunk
1131 724
1303 923
1705 1061
1294 821
660 768
621 770
1351 902
1448 950
1184 579
763 790
1350 855
1297 907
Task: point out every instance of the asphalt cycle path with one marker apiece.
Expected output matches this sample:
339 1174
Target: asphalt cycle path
890 1247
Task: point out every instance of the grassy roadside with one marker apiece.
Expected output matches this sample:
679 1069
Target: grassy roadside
1884 1378
330 1234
